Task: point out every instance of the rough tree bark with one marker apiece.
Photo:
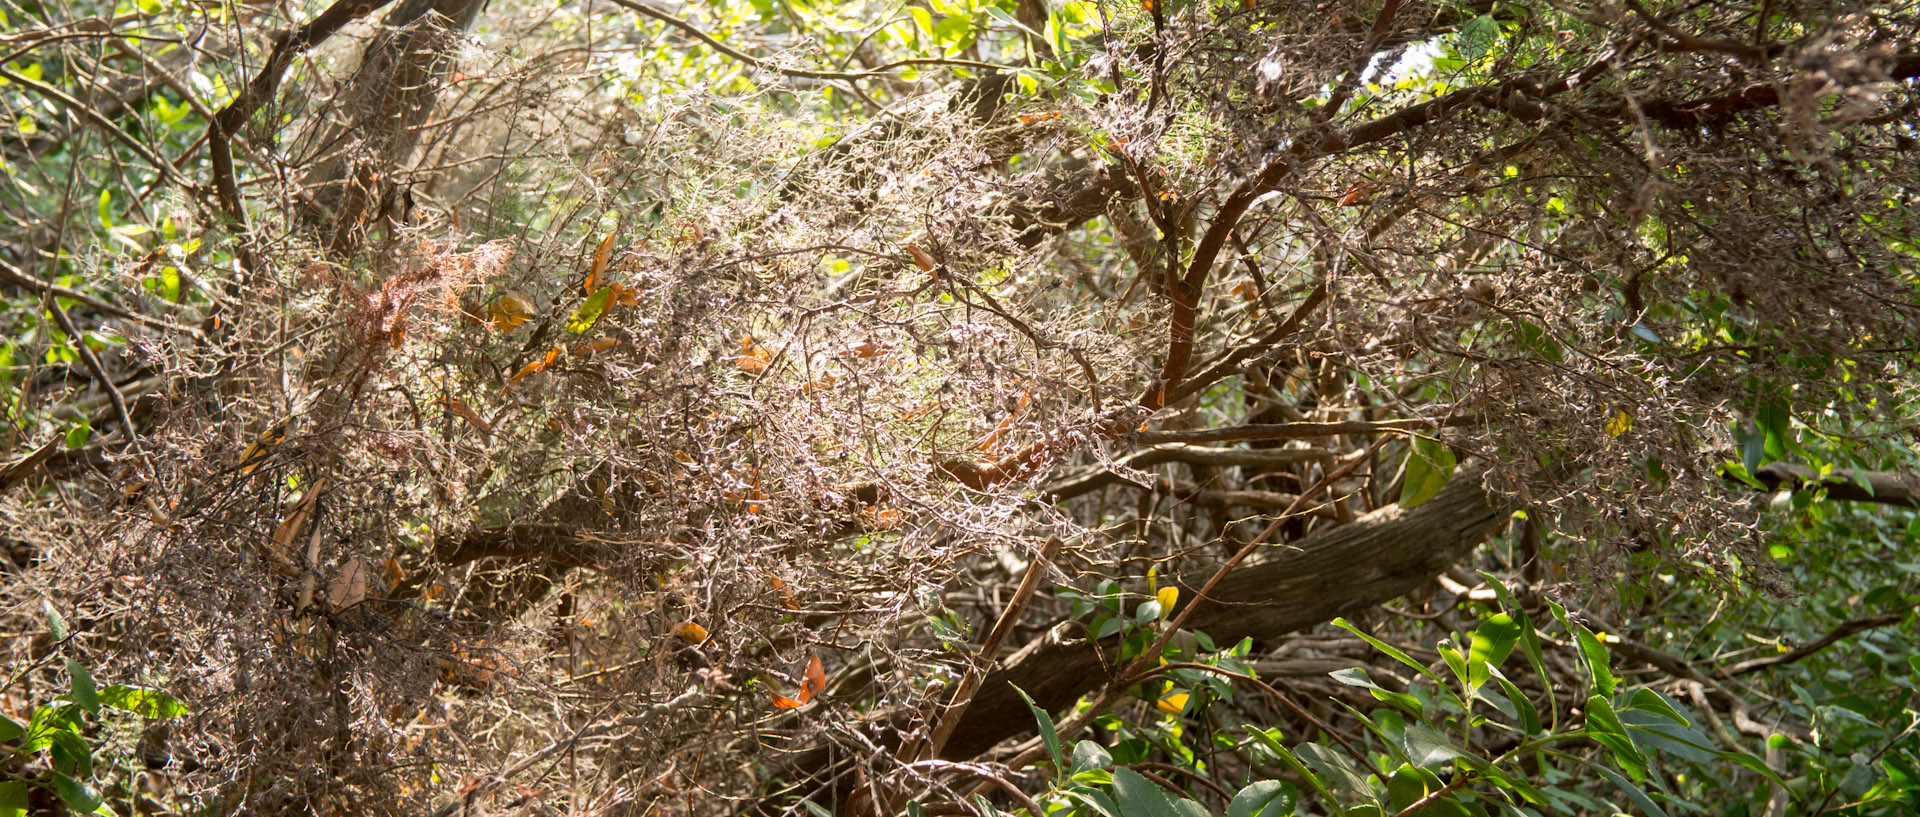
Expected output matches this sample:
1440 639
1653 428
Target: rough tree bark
390 95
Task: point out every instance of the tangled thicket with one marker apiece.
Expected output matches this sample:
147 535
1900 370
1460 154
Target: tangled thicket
538 399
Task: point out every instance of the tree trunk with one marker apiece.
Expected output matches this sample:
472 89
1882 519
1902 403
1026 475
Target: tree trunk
1377 558
392 92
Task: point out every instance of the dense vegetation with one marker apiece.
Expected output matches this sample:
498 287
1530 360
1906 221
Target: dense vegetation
1135 408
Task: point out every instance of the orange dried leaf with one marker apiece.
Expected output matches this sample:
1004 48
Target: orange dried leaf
920 258
262 446
624 295
510 311
1357 194
816 680
536 367
690 632
754 358
785 702
467 413
596 345
600 259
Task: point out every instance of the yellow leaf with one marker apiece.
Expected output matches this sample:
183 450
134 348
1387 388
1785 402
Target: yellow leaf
591 311
1168 596
1174 703
1620 423
262 446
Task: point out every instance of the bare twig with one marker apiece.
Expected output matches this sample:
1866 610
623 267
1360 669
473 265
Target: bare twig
1845 629
98 371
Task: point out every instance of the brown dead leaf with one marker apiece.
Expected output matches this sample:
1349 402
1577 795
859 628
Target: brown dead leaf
754 357
600 258
466 412
348 586
920 258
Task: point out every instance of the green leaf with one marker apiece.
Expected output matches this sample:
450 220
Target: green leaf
1455 662
1088 756
1139 797
84 693
1598 660
1271 740
106 213
1094 800
1430 464
71 754
1357 677
1655 731
1334 766
953 33
590 312
1529 717
13 798
1753 449
1606 729
1777 424
1047 733
922 18
11 729
1426 747
151 703
1859 779
1479 36
1741 472
1651 701
1147 613
1264 798
1492 643
1632 791
1389 649
76 794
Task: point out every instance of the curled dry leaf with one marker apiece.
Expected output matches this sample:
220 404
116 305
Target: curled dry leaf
536 367
466 412
512 309
811 684
690 632
920 258
1358 193
600 258
754 357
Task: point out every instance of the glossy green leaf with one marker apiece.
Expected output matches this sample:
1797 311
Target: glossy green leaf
1597 660
1492 643
1358 677
1529 716
1088 755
